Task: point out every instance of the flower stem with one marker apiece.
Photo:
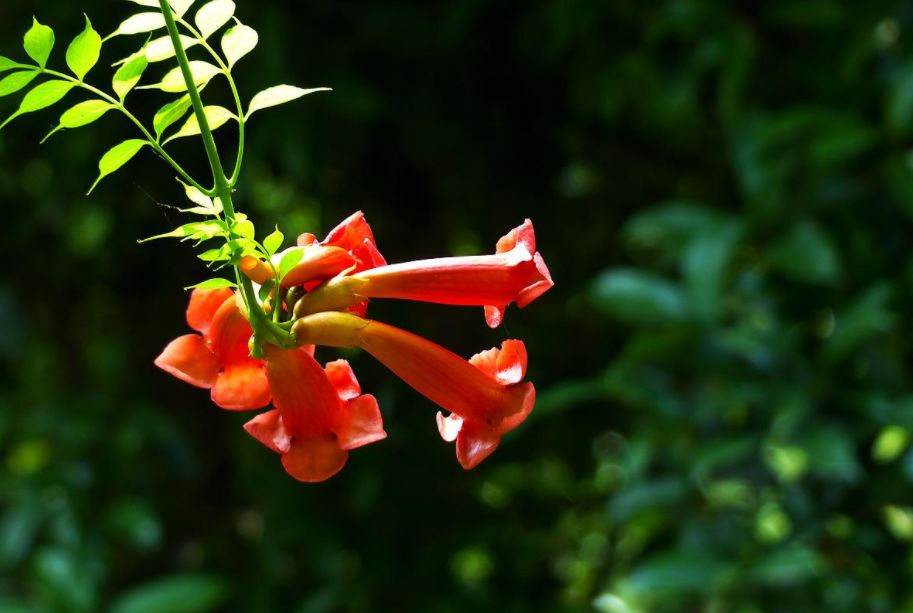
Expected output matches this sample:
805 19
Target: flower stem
233 180
264 329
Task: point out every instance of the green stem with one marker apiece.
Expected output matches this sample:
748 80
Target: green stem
120 107
264 329
234 92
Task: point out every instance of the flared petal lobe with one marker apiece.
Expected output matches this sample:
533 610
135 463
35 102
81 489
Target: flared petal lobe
320 414
203 306
189 359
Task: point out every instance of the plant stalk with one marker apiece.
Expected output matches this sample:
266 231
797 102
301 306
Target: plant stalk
264 329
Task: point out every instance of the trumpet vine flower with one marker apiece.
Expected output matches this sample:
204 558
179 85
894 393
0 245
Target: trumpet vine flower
515 273
485 396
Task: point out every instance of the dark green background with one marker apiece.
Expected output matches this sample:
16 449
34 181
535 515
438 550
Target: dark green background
723 192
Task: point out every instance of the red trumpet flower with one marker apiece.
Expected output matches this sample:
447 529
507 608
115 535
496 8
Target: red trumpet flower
516 273
218 358
485 395
320 414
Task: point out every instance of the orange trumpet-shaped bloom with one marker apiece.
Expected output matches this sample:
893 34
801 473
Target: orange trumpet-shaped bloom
485 394
218 358
320 414
516 273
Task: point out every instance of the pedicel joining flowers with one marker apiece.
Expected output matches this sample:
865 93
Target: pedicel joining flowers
256 333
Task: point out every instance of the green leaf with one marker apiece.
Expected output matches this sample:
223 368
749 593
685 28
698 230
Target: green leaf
272 242
216 283
174 81
867 316
197 230
129 74
83 52
12 83
170 113
891 442
213 15
216 117
41 97
807 254
196 196
280 94
116 157
237 42
216 255
244 229
289 260
205 204
705 262
38 42
178 6
176 594
161 49
638 297
81 115
7 64
140 24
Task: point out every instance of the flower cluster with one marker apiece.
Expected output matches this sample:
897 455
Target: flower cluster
320 412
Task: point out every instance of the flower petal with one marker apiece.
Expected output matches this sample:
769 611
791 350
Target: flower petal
343 379
314 459
526 407
242 386
507 364
539 287
269 429
302 391
521 235
474 444
494 315
355 236
449 426
360 423
203 306
189 359
229 335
